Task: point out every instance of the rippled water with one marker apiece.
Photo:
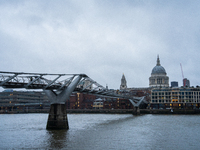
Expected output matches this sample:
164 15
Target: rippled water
101 131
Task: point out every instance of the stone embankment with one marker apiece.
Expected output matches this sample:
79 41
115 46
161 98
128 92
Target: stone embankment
130 111
101 111
111 111
169 111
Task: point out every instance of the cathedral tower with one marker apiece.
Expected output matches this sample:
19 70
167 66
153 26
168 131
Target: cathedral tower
123 85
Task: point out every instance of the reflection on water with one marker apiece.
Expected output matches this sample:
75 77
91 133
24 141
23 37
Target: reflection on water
101 131
57 138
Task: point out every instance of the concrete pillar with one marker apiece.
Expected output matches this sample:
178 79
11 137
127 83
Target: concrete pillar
136 111
57 117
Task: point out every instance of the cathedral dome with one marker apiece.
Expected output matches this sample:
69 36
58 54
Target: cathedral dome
158 69
159 76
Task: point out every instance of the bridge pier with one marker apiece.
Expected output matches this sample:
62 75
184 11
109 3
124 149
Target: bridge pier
136 111
57 117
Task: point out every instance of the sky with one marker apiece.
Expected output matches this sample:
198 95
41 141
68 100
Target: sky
102 38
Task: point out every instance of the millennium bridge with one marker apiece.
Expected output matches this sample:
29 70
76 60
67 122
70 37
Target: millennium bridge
58 88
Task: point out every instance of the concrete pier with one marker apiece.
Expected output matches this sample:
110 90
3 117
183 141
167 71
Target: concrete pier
57 117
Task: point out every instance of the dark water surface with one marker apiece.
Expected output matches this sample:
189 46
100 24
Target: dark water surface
101 132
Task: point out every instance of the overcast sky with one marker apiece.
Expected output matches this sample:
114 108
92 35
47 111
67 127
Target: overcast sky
102 38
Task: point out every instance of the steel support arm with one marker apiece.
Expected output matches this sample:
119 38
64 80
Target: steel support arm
65 94
138 103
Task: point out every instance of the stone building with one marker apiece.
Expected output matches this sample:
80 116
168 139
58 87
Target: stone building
159 76
175 98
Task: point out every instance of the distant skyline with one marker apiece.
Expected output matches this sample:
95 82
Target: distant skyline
102 39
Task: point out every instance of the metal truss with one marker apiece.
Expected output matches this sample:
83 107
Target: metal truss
136 101
59 82
36 80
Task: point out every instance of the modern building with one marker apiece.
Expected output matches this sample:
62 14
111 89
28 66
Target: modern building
159 76
186 82
174 84
175 98
19 100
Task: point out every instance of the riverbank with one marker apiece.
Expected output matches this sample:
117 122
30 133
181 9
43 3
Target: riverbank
130 111
111 111
169 111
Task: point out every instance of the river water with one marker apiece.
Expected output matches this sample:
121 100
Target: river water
101 132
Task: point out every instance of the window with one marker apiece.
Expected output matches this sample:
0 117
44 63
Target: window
153 81
159 81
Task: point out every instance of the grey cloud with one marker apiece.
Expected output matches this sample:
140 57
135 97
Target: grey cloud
103 39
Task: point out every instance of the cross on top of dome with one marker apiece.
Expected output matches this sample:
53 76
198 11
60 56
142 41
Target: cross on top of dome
158 61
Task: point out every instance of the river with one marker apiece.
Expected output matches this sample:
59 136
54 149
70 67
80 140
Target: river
101 131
